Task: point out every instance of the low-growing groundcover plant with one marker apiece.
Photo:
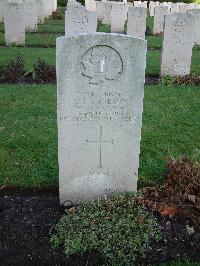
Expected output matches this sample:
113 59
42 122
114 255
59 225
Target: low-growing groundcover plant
115 227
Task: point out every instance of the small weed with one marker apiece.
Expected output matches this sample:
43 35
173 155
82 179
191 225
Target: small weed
167 80
13 71
43 72
57 15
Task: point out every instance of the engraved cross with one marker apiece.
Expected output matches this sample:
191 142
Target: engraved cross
100 141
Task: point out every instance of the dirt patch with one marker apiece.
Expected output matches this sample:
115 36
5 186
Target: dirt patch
27 216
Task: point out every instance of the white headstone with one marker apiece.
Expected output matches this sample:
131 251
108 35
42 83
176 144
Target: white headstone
196 14
136 25
100 103
73 2
2 11
183 8
104 12
177 45
91 5
137 3
49 6
152 6
118 17
144 4
193 6
55 5
168 5
30 15
78 20
40 4
174 8
14 23
159 15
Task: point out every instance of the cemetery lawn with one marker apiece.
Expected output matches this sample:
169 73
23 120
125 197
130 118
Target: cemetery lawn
28 141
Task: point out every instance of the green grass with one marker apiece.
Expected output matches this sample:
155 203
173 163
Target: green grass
36 39
30 55
28 153
28 134
154 41
170 126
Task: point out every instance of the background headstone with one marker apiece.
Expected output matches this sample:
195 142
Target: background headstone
30 15
118 17
2 6
136 24
196 14
104 12
55 5
100 103
91 5
78 20
152 6
40 4
159 14
183 8
177 45
14 23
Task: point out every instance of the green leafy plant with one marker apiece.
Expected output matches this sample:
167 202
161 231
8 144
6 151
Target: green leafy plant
116 227
167 80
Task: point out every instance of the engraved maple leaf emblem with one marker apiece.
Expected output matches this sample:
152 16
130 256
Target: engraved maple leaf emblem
101 63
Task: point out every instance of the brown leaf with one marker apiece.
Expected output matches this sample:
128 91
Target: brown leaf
167 211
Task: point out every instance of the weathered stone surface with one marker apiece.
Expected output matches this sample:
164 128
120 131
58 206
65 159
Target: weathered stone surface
159 15
49 6
177 45
2 6
183 8
14 23
118 17
152 6
196 14
91 5
30 15
193 6
174 8
136 25
104 12
137 3
55 5
100 102
40 4
78 20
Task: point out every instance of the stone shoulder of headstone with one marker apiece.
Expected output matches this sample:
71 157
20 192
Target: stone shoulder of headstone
100 102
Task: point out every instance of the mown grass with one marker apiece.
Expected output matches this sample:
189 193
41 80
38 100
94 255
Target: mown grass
30 55
28 134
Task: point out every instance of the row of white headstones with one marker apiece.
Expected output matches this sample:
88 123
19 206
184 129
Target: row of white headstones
20 16
100 79
181 30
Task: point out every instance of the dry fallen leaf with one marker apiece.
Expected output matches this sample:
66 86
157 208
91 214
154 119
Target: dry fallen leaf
167 211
